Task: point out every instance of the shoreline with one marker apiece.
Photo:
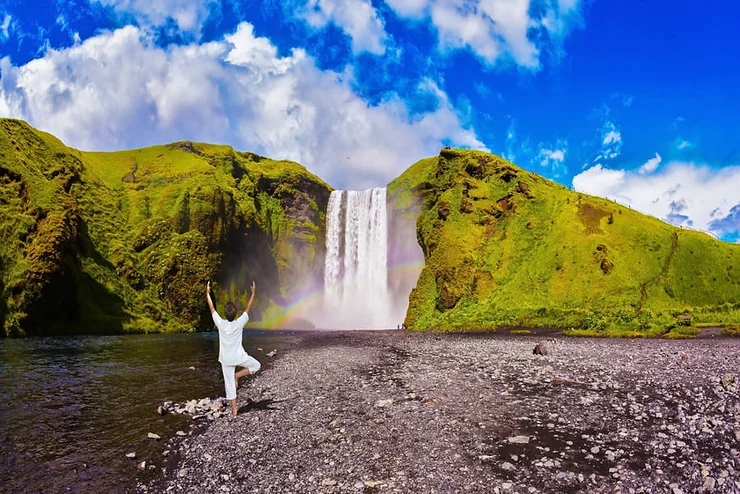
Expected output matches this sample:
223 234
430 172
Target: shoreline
377 411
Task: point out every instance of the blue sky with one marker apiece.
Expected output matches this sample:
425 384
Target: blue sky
633 100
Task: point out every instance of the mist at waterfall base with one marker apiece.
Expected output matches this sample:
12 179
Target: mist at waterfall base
372 263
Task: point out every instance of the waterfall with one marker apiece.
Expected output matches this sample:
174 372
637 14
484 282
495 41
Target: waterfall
356 267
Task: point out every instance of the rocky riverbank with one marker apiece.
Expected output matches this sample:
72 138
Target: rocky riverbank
408 412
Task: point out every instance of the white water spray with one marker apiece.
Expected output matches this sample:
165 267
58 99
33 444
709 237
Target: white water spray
356 269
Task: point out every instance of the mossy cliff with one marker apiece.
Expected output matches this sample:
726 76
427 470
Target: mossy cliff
505 247
125 241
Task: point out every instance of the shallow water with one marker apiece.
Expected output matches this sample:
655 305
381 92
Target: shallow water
72 407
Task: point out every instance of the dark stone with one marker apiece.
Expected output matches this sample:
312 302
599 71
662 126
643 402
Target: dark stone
542 348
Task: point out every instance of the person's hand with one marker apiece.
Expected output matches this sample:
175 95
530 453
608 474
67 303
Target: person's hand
254 287
208 288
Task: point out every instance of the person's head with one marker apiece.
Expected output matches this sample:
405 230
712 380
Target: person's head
230 311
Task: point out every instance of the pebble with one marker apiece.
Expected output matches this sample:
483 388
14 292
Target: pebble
131 455
152 435
324 423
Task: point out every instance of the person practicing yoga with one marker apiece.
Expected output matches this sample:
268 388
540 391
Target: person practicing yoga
231 353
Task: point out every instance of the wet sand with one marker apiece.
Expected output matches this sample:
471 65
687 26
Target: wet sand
406 412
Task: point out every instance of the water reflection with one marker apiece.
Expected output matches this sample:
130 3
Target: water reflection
72 407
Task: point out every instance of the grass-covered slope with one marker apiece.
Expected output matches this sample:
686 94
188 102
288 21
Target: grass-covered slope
125 241
504 247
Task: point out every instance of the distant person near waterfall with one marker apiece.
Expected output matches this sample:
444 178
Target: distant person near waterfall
231 353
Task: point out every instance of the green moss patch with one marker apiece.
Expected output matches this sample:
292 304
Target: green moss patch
505 247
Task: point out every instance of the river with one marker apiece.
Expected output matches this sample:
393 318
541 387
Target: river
72 407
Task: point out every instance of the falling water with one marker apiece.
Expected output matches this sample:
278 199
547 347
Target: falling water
356 269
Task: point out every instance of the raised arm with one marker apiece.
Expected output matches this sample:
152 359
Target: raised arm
208 298
251 299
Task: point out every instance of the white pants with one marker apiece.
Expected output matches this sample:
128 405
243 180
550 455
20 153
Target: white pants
229 370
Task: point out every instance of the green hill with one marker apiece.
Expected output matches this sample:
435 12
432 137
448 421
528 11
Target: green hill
504 247
125 241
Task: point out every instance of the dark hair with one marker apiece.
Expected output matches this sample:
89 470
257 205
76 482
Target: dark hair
230 311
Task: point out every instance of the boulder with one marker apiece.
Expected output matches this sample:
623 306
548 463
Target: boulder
542 348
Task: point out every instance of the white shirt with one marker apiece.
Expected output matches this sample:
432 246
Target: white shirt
230 350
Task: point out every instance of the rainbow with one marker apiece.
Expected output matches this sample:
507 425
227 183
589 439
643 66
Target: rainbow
310 300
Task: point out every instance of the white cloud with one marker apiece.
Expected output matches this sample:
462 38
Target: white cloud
358 18
188 14
409 8
119 90
511 139
493 29
599 181
5 27
552 157
650 165
685 194
611 140
683 144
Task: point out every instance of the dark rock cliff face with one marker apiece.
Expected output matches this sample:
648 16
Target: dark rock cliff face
125 242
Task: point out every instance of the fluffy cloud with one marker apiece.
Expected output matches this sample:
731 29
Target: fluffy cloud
650 165
188 14
684 194
495 28
358 18
728 223
119 90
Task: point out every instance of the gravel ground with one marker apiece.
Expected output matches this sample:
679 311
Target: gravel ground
407 412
